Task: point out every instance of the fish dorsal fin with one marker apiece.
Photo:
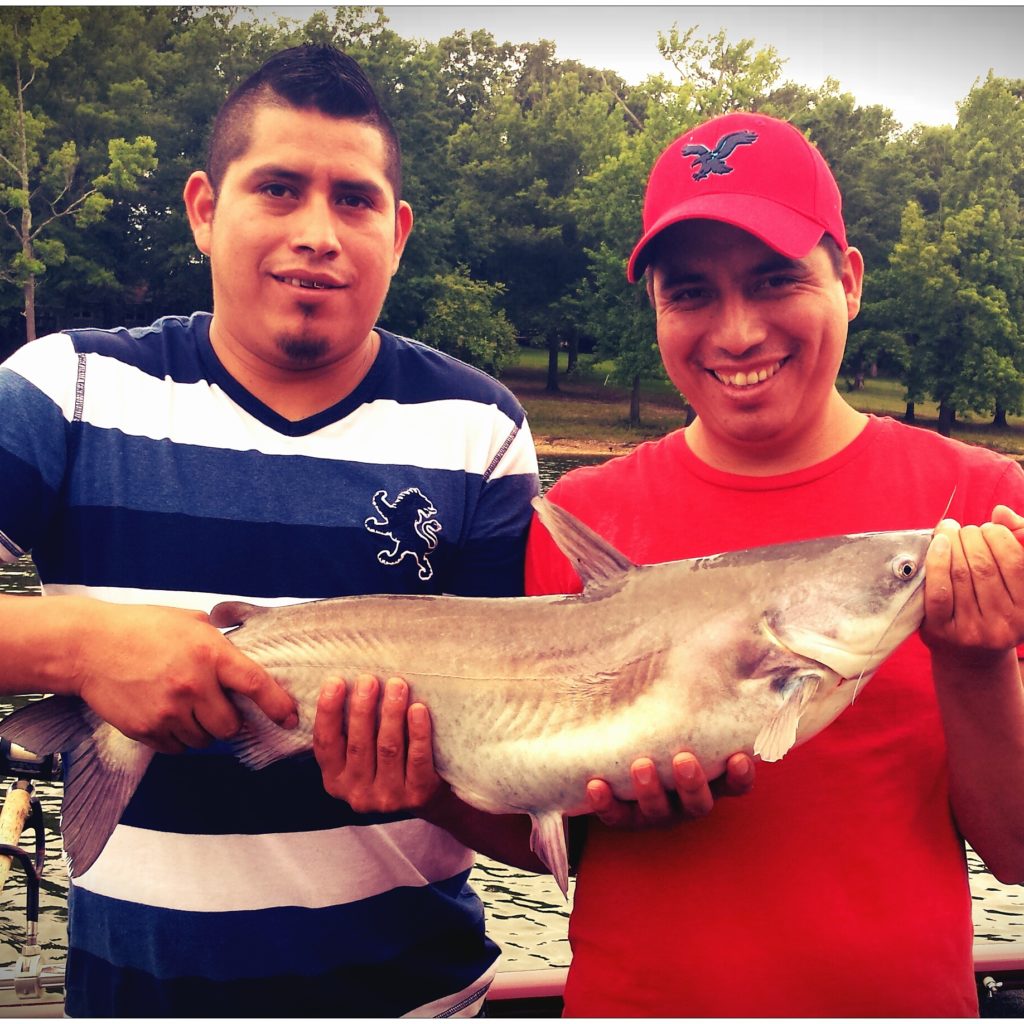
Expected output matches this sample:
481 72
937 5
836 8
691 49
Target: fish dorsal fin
231 613
591 555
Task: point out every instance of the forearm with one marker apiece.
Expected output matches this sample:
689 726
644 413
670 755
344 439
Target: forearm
39 645
504 837
982 709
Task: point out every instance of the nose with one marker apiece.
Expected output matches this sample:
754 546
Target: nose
315 230
738 325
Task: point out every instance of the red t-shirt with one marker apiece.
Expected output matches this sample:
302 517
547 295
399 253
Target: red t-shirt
838 887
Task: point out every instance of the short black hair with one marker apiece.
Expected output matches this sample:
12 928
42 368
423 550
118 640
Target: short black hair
306 77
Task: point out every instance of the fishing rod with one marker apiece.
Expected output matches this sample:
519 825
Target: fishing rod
29 979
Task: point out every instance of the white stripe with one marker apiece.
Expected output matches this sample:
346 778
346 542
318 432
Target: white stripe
192 600
119 396
295 869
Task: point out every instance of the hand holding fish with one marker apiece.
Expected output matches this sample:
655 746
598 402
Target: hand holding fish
693 797
161 675
974 590
974 623
371 769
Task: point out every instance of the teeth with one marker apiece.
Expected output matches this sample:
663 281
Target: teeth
745 380
300 283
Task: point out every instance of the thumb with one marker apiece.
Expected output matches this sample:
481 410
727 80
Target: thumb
1004 516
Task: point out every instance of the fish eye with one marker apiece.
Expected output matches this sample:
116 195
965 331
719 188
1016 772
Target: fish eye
904 568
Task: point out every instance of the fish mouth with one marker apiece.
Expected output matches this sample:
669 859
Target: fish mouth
748 378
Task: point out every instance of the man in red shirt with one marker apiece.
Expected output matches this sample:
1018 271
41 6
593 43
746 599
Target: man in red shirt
838 887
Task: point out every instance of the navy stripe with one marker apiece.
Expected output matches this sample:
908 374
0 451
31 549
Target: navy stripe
286 489
165 349
44 445
119 548
178 794
379 957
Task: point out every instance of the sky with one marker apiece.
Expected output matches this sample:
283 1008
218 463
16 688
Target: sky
917 60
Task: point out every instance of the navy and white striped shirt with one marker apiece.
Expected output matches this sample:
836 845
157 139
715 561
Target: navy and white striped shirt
135 469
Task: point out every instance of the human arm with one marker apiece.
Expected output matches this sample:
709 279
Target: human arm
159 675
974 622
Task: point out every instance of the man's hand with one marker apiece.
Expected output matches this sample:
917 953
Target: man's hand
974 590
693 796
385 769
161 675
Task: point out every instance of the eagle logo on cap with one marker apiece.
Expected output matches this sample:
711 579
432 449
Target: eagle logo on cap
712 161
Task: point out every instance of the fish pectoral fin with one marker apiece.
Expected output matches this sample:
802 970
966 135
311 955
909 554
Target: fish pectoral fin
779 734
548 841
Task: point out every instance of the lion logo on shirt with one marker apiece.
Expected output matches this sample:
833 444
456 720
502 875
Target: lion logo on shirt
409 523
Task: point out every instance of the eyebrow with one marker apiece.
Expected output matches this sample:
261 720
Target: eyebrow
685 272
285 174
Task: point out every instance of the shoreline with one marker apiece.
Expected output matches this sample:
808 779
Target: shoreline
561 446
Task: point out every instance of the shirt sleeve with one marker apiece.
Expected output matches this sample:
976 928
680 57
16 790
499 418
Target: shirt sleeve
490 562
33 448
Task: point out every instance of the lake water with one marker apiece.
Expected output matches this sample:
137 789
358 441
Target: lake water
527 914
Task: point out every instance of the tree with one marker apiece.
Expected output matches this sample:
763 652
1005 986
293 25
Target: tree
961 269
515 167
463 321
40 179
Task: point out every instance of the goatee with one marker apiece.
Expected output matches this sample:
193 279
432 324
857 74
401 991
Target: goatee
303 350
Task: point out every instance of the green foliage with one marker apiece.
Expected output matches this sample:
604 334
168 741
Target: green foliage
521 167
463 321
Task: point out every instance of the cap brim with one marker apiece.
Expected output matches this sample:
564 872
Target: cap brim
779 227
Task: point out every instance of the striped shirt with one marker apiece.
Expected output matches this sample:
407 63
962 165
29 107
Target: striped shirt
135 469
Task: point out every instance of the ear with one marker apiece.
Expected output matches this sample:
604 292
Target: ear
403 228
199 205
852 277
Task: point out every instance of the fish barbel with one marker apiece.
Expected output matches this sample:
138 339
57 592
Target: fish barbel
531 697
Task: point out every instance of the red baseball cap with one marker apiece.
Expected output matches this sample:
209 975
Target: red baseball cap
752 171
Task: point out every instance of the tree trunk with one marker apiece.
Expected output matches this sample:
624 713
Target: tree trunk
574 352
634 402
908 416
30 308
947 417
999 420
552 384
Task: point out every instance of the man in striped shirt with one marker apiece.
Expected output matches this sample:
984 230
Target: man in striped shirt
262 452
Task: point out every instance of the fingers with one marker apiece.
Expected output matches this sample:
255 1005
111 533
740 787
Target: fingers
242 675
329 747
691 796
422 779
738 779
974 587
379 759
1003 516
692 785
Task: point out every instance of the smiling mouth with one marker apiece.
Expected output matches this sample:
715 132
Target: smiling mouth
744 379
299 282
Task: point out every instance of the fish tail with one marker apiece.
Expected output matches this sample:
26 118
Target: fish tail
547 840
102 769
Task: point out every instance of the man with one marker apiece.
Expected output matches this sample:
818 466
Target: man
837 887
273 451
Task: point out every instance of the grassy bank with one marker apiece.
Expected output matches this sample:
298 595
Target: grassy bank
591 412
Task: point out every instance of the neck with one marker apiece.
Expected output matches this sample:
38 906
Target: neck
840 425
293 390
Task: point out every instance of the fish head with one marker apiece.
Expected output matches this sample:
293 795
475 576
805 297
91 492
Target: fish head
860 597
